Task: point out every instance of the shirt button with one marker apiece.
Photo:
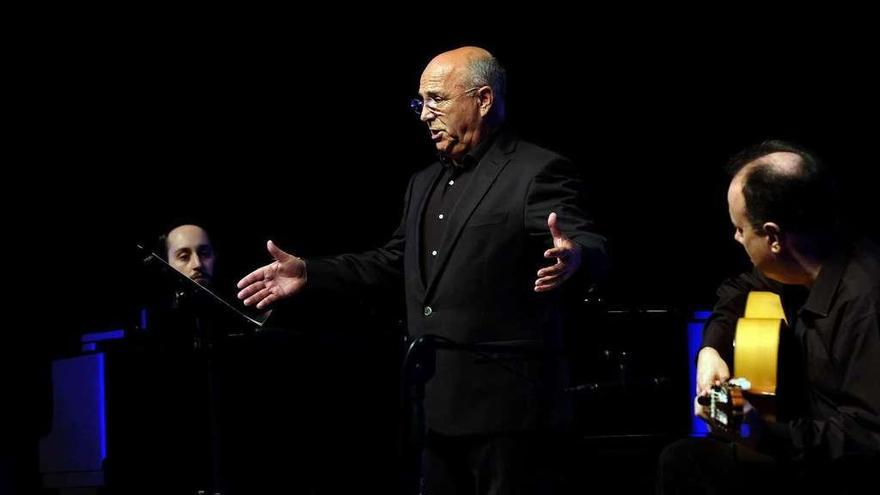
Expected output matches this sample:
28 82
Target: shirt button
433 253
451 182
440 216
428 311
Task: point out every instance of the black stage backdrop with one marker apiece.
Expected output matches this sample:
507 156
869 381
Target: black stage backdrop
307 139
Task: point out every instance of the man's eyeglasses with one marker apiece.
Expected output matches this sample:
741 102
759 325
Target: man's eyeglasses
434 103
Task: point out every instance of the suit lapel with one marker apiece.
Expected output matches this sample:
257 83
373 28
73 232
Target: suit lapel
487 171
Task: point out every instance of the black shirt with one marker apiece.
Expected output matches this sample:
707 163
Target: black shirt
836 333
444 195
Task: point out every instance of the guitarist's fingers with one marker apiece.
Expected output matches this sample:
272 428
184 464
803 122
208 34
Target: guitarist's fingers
700 410
712 373
705 380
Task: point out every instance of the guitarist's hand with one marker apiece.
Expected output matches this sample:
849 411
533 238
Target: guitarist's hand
711 370
701 411
752 440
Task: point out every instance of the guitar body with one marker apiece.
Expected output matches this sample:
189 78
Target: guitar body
755 363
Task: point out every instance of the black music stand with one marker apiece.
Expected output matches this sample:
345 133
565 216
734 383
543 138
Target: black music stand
201 307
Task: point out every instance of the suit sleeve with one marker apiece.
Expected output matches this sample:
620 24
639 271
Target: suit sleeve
377 269
558 187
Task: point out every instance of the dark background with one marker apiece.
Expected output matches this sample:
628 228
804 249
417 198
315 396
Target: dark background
266 132
311 144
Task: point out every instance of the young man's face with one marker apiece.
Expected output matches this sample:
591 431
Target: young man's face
190 252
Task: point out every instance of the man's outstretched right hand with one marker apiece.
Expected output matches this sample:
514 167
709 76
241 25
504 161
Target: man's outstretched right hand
280 279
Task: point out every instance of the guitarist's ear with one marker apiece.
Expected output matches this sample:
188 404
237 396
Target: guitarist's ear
774 237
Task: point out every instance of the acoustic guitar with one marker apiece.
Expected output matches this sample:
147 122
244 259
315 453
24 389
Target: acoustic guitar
756 366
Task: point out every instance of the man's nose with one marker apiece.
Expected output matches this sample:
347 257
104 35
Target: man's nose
427 114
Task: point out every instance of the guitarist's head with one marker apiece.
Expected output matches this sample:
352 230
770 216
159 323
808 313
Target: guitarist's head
783 208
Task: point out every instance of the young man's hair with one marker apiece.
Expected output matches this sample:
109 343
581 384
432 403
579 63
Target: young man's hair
161 247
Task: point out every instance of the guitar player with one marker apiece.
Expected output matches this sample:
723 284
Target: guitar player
782 204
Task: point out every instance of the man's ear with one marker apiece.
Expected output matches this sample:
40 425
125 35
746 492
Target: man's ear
775 239
486 97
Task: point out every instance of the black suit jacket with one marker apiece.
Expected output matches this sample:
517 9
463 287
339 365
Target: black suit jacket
481 289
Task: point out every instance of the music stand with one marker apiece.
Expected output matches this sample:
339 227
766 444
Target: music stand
196 300
191 288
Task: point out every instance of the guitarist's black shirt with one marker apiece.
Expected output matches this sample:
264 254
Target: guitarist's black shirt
834 401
